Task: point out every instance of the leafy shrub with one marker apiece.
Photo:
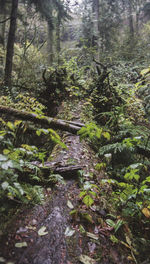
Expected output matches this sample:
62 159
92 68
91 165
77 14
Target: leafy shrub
143 87
23 102
18 173
28 66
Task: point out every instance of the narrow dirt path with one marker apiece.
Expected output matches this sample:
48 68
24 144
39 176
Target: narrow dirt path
62 240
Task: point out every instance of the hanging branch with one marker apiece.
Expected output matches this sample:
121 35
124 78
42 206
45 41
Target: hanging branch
5 20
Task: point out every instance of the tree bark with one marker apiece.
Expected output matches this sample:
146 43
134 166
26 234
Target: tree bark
10 43
50 41
131 26
50 122
96 25
58 37
3 22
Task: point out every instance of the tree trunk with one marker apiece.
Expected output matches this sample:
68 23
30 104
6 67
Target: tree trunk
58 37
3 22
49 122
50 42
131 26
10 43
96 26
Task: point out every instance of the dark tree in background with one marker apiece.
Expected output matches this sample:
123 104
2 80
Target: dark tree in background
10 43
2 21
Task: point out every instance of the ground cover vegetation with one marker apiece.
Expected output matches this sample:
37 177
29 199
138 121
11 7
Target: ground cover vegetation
106 68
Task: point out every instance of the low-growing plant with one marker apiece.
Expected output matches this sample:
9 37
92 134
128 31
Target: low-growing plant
131 194
94 133
18 173
89 192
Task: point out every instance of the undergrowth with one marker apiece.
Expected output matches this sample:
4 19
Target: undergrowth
121 139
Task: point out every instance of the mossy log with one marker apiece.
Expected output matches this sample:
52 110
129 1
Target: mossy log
45 121
56 168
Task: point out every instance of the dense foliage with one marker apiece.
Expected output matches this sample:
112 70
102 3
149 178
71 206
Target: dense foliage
106 67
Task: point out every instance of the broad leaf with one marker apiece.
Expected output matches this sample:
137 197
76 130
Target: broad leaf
88 201
3 158
5 185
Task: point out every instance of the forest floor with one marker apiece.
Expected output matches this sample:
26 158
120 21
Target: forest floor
48 233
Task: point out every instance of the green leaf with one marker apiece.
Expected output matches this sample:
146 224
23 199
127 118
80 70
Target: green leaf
82 230
109 181
73 212
118 224
3 158
18 186
11 126
5 185
87 217
100 166
114 239
145 71
136 177
6 151
38 132
136 165
87 185
110 222
106 135
93 193
88 201
146 180
82 193
11 164
7 164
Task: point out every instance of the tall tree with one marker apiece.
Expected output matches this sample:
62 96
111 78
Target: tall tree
2 21
10 43
47 8
130 13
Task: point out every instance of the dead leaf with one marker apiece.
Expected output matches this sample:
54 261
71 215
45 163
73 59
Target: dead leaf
92 247
128 240
69 232
86 260
22 230
146 212
70 205
31 227
91 235
42 231
2 259
21 244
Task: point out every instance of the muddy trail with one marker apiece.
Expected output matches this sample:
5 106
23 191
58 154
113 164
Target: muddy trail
49 233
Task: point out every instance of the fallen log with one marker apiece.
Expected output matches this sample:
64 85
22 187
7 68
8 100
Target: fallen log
50 122
57 168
